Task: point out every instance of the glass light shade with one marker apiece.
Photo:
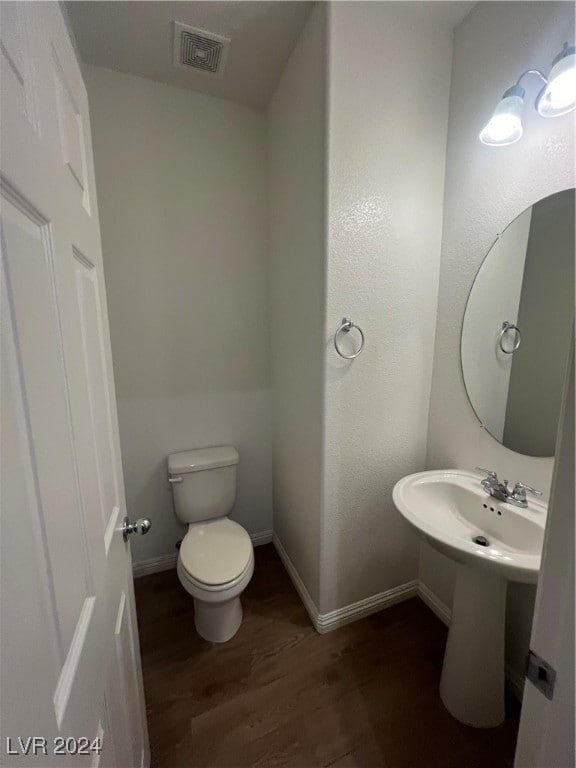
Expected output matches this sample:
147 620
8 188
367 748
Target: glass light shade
559 95
505 125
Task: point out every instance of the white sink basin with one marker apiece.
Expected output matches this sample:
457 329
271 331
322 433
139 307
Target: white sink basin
449 509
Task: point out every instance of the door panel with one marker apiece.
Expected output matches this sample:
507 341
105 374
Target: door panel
70 656
97 397
17 69
28 264
23 532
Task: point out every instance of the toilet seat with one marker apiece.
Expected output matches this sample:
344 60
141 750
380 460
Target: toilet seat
216 555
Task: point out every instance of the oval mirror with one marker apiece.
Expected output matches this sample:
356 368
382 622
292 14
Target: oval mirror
517 327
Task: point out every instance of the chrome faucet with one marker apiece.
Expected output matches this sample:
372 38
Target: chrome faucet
499 490
518 495
493 486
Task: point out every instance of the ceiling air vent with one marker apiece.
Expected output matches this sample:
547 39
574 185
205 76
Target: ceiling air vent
199 50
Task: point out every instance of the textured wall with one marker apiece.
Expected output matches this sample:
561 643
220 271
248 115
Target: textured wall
486 188
388 111
182 191
297 184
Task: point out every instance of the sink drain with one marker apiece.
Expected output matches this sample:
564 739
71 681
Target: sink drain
482 540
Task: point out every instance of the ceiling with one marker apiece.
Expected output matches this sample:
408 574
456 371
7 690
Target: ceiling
137 38
452 12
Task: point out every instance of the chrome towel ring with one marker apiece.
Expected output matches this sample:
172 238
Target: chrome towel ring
345 327
506 326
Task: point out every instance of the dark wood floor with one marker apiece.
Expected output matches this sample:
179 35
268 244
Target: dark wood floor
279 694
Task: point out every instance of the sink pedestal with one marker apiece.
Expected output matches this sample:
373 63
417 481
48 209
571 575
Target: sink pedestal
472 682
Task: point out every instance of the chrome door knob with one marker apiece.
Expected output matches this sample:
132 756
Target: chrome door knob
141 526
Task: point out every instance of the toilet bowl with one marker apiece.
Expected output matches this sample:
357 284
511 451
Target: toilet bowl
216 557
215 564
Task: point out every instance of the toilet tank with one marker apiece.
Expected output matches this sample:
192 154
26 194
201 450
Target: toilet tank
203 482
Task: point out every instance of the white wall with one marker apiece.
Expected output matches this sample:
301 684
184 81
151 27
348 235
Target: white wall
486 188
182 190
388 111
297 184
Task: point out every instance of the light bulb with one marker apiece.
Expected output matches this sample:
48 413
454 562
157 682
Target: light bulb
505 125
559 95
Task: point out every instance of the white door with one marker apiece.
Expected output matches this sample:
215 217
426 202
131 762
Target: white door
546 735
70 664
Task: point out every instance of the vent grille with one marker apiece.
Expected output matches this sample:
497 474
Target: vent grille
199 50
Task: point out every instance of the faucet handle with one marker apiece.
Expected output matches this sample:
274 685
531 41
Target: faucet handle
491 479
520 490
490 472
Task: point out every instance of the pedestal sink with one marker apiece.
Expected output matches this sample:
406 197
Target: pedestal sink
492 542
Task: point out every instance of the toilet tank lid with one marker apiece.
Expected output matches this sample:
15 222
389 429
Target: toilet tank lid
202 458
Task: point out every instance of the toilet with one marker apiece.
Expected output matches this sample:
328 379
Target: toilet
216 557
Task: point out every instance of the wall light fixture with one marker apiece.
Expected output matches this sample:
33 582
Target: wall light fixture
557 97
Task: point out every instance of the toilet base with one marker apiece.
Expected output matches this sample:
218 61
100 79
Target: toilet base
218 622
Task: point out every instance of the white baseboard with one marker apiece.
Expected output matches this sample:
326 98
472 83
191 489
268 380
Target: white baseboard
342 616
434 603
262 537
326 622
167 562
297 581
154 565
